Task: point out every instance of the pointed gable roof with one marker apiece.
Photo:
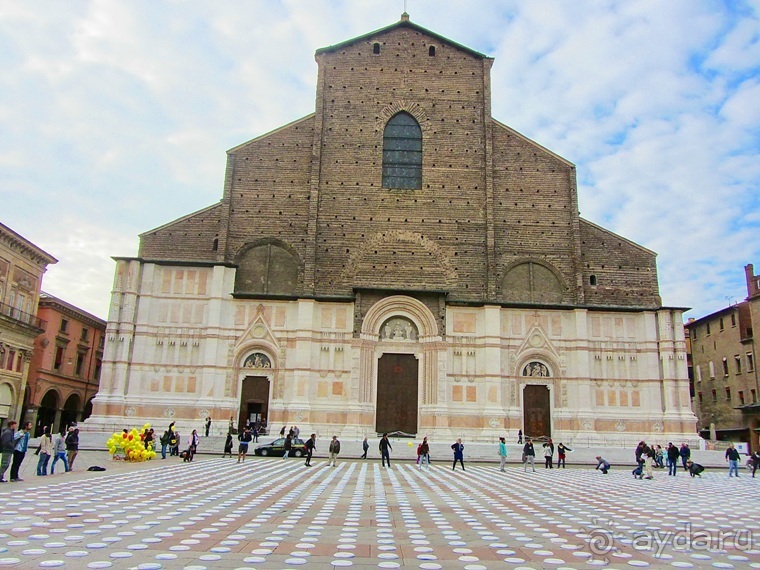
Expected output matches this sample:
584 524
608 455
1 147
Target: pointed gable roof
403 23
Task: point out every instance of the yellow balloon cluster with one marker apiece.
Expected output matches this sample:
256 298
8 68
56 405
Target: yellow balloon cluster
131 445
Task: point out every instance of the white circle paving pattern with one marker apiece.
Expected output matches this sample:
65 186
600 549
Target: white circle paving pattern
270 513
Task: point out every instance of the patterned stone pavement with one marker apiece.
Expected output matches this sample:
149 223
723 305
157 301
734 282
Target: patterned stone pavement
275 513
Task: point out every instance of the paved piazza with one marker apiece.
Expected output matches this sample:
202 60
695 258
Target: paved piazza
275 513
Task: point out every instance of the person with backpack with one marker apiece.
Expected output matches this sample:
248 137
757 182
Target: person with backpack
245 438
311 446
72 445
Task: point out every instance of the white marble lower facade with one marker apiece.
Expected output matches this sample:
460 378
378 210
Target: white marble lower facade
180 348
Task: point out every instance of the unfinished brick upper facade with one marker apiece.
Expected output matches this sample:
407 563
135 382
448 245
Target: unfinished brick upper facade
490 200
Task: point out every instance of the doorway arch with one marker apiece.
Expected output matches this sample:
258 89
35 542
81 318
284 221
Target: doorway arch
47 411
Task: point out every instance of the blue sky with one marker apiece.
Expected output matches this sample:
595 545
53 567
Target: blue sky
115 116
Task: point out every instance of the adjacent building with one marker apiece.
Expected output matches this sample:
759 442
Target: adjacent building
65 367
398 260
725 379
22 265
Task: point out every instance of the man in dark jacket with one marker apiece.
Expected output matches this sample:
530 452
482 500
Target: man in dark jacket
694 468
334 451
685 454
529 455
732 456
311 445
72 445
6 447
385 448
673 455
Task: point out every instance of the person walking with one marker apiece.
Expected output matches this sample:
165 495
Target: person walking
173 442
519 437
602 464
227 446
282 431
648 456
458 453
424 454
311 445
502 453
672 455
755 458
45 451
562 450
59 453
6 447
732 456
334 450
685 454
256 432
548 455
20 446
288 445
385 449
529 455
72 445
365 448
244 438
192 445
208 425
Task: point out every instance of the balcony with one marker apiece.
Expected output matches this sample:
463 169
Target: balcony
20 317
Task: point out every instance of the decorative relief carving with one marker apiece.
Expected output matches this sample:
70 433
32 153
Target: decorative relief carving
587 425
494 423
399 329
257 360
168 412
203 413
129 411
620 426
536 369
658 427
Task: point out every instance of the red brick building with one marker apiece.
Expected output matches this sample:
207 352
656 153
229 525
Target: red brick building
65 370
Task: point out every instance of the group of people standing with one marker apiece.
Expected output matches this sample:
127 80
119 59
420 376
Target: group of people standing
529 454
14 445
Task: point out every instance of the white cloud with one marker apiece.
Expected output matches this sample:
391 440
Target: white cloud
115 117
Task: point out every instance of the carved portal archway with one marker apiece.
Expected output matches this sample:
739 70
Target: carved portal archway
400 327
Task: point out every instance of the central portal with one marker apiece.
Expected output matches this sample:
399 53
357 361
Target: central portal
254 401
396 394
537 411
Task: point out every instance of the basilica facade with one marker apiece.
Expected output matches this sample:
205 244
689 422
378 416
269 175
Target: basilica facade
396 261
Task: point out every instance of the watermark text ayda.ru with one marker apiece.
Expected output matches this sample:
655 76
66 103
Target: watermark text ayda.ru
655 541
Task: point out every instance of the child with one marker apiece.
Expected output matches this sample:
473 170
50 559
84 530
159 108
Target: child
228 445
